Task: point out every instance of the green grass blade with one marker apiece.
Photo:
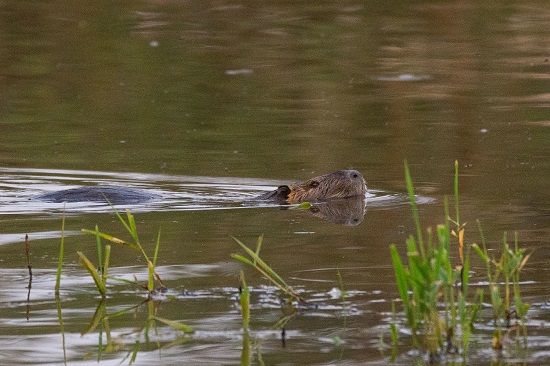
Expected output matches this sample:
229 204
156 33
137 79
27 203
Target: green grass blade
174 324
414 208
112 239
242 259
259 243
284 288
401 281
456 194
151 276
156 253
480 253
259 262
99 248
245 301
132 224
304 206
121 220
93 272
105 270
61 256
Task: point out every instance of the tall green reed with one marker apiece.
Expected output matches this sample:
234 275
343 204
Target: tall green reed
433 303
438 306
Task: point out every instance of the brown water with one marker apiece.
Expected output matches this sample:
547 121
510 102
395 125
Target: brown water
213 102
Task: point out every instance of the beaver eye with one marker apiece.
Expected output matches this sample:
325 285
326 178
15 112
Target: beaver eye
313 184
355 175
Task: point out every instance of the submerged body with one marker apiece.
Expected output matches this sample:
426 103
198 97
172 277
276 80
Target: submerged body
111 194
339 184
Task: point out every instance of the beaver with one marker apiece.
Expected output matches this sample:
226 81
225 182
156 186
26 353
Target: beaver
111 194
339 184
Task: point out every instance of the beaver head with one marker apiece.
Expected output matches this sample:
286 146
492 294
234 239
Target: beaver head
339 184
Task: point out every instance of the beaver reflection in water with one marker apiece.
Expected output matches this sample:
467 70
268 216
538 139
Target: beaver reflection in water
339 184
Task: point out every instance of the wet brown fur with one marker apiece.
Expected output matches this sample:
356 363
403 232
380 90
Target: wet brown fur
339 184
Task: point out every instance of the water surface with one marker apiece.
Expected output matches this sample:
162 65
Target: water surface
209 104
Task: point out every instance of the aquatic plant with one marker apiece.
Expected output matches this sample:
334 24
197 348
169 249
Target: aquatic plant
255 261
435 292
508 267
99 275
130 225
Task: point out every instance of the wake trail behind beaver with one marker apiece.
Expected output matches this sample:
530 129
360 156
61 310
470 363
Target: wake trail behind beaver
19 189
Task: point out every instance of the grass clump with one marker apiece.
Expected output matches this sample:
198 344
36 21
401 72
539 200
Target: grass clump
129 224
255 261
439 308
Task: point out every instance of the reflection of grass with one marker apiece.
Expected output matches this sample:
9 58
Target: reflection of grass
101 320
100 275
435 294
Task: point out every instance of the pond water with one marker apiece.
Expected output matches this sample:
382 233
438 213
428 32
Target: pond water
208 104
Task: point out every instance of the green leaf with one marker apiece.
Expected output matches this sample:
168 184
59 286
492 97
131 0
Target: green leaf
304 206
174 324
93 272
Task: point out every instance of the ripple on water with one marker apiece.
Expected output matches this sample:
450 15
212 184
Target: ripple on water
20 187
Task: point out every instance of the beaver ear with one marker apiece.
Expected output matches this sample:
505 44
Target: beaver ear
312 184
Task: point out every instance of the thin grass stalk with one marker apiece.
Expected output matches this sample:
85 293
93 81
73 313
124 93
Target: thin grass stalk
245 352
61 255
156 253
28 257
456 194
150 277
259 262
112 239
284 288
414 208
259 243
506 272
245 302
99 249
105 268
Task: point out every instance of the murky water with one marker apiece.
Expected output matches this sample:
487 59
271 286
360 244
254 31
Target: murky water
209 104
